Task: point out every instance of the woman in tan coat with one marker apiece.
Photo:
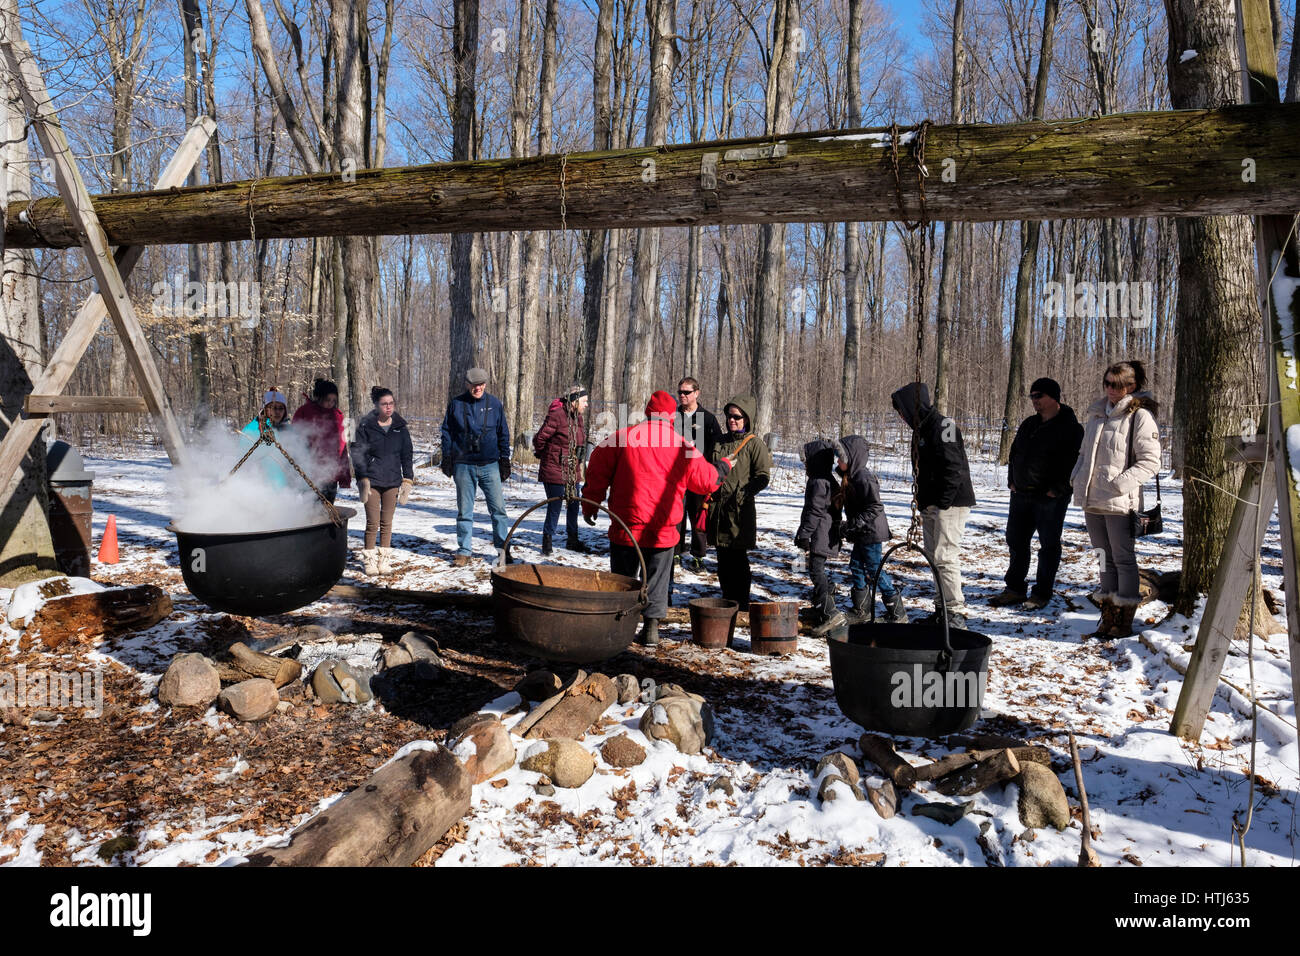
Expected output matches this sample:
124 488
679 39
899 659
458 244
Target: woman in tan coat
1120 453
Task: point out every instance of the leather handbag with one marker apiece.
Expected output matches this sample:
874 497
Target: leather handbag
1149 522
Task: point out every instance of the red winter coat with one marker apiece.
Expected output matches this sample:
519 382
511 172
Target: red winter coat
551 443
647 468
323 428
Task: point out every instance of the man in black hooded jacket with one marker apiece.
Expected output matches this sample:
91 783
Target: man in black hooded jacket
944 493
1038 474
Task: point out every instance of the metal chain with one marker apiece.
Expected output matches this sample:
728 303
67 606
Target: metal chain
571 462
266 436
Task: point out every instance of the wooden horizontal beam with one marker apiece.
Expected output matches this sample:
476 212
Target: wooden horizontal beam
59 404
1240 159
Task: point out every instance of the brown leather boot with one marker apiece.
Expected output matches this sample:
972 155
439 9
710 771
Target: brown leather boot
1123 624
1109 614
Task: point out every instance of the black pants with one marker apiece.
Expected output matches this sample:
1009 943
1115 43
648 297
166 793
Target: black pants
823 596
659 566
734 576
699 546
1030 514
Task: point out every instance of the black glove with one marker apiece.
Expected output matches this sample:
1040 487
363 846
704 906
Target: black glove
447 466
803 544
504 467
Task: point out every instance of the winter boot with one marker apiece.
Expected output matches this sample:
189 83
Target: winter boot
894 605
1007 597
370 561
385 563
836 620
649 635
860 612
1109 618
575 545
547 547
1123 624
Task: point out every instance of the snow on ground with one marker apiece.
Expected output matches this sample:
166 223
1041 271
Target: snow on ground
1154 799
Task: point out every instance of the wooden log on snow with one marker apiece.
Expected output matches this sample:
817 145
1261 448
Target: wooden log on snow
881 752
246 663
1184 163
953 762
884 798
392 819
84 616
999 767
578 708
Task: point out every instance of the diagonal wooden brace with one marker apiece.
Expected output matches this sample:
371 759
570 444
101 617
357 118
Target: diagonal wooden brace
19 59
58 372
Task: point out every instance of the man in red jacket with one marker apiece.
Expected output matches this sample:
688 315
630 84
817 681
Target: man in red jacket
646 469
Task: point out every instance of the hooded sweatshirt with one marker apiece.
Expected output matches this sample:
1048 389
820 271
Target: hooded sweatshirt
864 509
819 521
1108 478
942 472
733 519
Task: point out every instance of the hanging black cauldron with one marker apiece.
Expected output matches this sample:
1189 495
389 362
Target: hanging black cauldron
575 615
264 572
910 680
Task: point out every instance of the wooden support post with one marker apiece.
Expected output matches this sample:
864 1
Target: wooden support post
18 56
46 405
85 326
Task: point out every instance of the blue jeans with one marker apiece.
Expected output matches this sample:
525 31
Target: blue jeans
863 562
553 512
488 477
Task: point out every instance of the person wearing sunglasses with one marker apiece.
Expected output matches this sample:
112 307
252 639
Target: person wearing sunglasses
1038 474
732 521
1120 453
699 426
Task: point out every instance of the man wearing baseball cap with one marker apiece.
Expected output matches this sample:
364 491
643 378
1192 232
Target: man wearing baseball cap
476 455
1038 474
646 469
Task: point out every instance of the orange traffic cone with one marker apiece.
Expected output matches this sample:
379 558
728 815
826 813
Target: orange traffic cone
108 544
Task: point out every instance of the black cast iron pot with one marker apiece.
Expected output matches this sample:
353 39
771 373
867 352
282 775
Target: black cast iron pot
264 572
910 680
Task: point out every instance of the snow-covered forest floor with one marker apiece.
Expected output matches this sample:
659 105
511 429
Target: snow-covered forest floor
185 788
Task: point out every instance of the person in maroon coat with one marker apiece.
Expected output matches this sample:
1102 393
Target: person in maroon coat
321 420
560 446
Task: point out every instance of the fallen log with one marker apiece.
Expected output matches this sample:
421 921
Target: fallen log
456 600
392 819
952 762
246 663
999 767
1087 855
1176 163
881 752
578 708
85 616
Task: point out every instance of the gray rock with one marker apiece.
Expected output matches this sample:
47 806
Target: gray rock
254 699
827 790
675 690
484 746
685 721
629 689
544 787
1042 799
945 813
566 762
190 681
539 685
622 751
421 647
336 683
313 633
843 764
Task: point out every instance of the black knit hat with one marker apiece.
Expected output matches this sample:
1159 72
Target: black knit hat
1048 386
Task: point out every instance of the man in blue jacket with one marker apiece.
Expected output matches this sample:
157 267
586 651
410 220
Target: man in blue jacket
476 454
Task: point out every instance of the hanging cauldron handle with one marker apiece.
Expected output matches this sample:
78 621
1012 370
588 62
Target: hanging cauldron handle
945 655
645 575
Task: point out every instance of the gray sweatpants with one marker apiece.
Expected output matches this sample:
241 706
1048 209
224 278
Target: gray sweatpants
941 531
1119 571
659 565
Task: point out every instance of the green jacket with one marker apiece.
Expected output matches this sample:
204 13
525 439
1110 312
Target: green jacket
733 520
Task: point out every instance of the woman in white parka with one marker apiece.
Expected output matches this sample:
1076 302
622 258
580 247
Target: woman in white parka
1120 453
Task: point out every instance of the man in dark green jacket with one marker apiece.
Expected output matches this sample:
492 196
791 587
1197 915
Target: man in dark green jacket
732 518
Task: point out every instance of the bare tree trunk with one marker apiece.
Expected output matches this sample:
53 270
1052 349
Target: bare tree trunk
947 276
515 280
463 325
595 241
1219 330
26 551
638 373
531 326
